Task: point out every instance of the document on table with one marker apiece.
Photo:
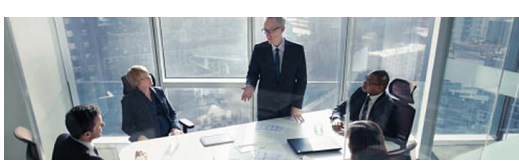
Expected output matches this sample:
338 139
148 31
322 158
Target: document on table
271 128
266 150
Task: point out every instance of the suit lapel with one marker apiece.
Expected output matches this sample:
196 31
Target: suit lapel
268 50
285 57
376 109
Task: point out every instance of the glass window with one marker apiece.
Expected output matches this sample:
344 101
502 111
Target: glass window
205 47
100 58
511 128
398 45
210 108
323 43
470 89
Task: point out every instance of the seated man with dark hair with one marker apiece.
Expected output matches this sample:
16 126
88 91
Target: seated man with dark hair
84 123
369 102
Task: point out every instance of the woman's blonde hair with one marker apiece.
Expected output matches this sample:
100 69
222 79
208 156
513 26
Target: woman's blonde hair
134 73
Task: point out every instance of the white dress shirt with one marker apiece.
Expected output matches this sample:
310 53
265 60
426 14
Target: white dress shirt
88 145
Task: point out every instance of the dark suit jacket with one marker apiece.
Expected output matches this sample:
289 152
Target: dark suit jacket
382 112
277 97
139 119
67 148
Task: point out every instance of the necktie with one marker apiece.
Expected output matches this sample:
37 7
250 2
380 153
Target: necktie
276 61
95 151
364 112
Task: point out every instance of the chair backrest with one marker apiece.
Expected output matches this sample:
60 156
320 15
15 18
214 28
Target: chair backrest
401 92
402 154
24 135
128 88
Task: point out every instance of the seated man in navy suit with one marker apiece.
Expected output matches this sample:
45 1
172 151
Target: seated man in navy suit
369 102
84 123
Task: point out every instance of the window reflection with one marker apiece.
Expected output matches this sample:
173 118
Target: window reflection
470 97
205 47
210 108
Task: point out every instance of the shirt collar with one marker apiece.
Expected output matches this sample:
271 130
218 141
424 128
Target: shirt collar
375 97
86 144
281 46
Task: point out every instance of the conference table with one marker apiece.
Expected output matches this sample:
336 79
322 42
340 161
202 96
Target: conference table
263 140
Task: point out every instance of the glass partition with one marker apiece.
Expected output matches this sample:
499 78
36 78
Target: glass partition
470 100
398 45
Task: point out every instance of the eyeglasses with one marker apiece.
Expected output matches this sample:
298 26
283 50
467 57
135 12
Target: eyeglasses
266 31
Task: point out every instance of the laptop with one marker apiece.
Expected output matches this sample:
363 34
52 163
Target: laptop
313 144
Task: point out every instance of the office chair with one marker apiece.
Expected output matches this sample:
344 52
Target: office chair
402 154
401 92
23 134
186 123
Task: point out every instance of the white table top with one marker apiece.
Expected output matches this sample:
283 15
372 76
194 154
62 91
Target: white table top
256 140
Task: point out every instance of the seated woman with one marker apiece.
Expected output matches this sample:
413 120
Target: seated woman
147 112
366 141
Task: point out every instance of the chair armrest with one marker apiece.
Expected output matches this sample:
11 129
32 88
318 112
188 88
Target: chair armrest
186 124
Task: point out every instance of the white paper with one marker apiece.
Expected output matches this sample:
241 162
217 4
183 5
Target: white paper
270 128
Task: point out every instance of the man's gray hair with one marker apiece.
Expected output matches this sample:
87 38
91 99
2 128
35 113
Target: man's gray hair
279 20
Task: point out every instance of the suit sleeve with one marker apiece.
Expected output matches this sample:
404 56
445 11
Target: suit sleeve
301 81
172 113
339 111
89 157
254 69
129 119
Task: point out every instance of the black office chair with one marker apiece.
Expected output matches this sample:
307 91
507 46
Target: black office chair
186 123
23 134
403 153
401 92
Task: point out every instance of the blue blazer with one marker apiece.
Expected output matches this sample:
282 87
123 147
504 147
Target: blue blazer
67 148
277 97
139 119
383 111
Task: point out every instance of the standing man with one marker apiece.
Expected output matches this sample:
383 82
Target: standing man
280 67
